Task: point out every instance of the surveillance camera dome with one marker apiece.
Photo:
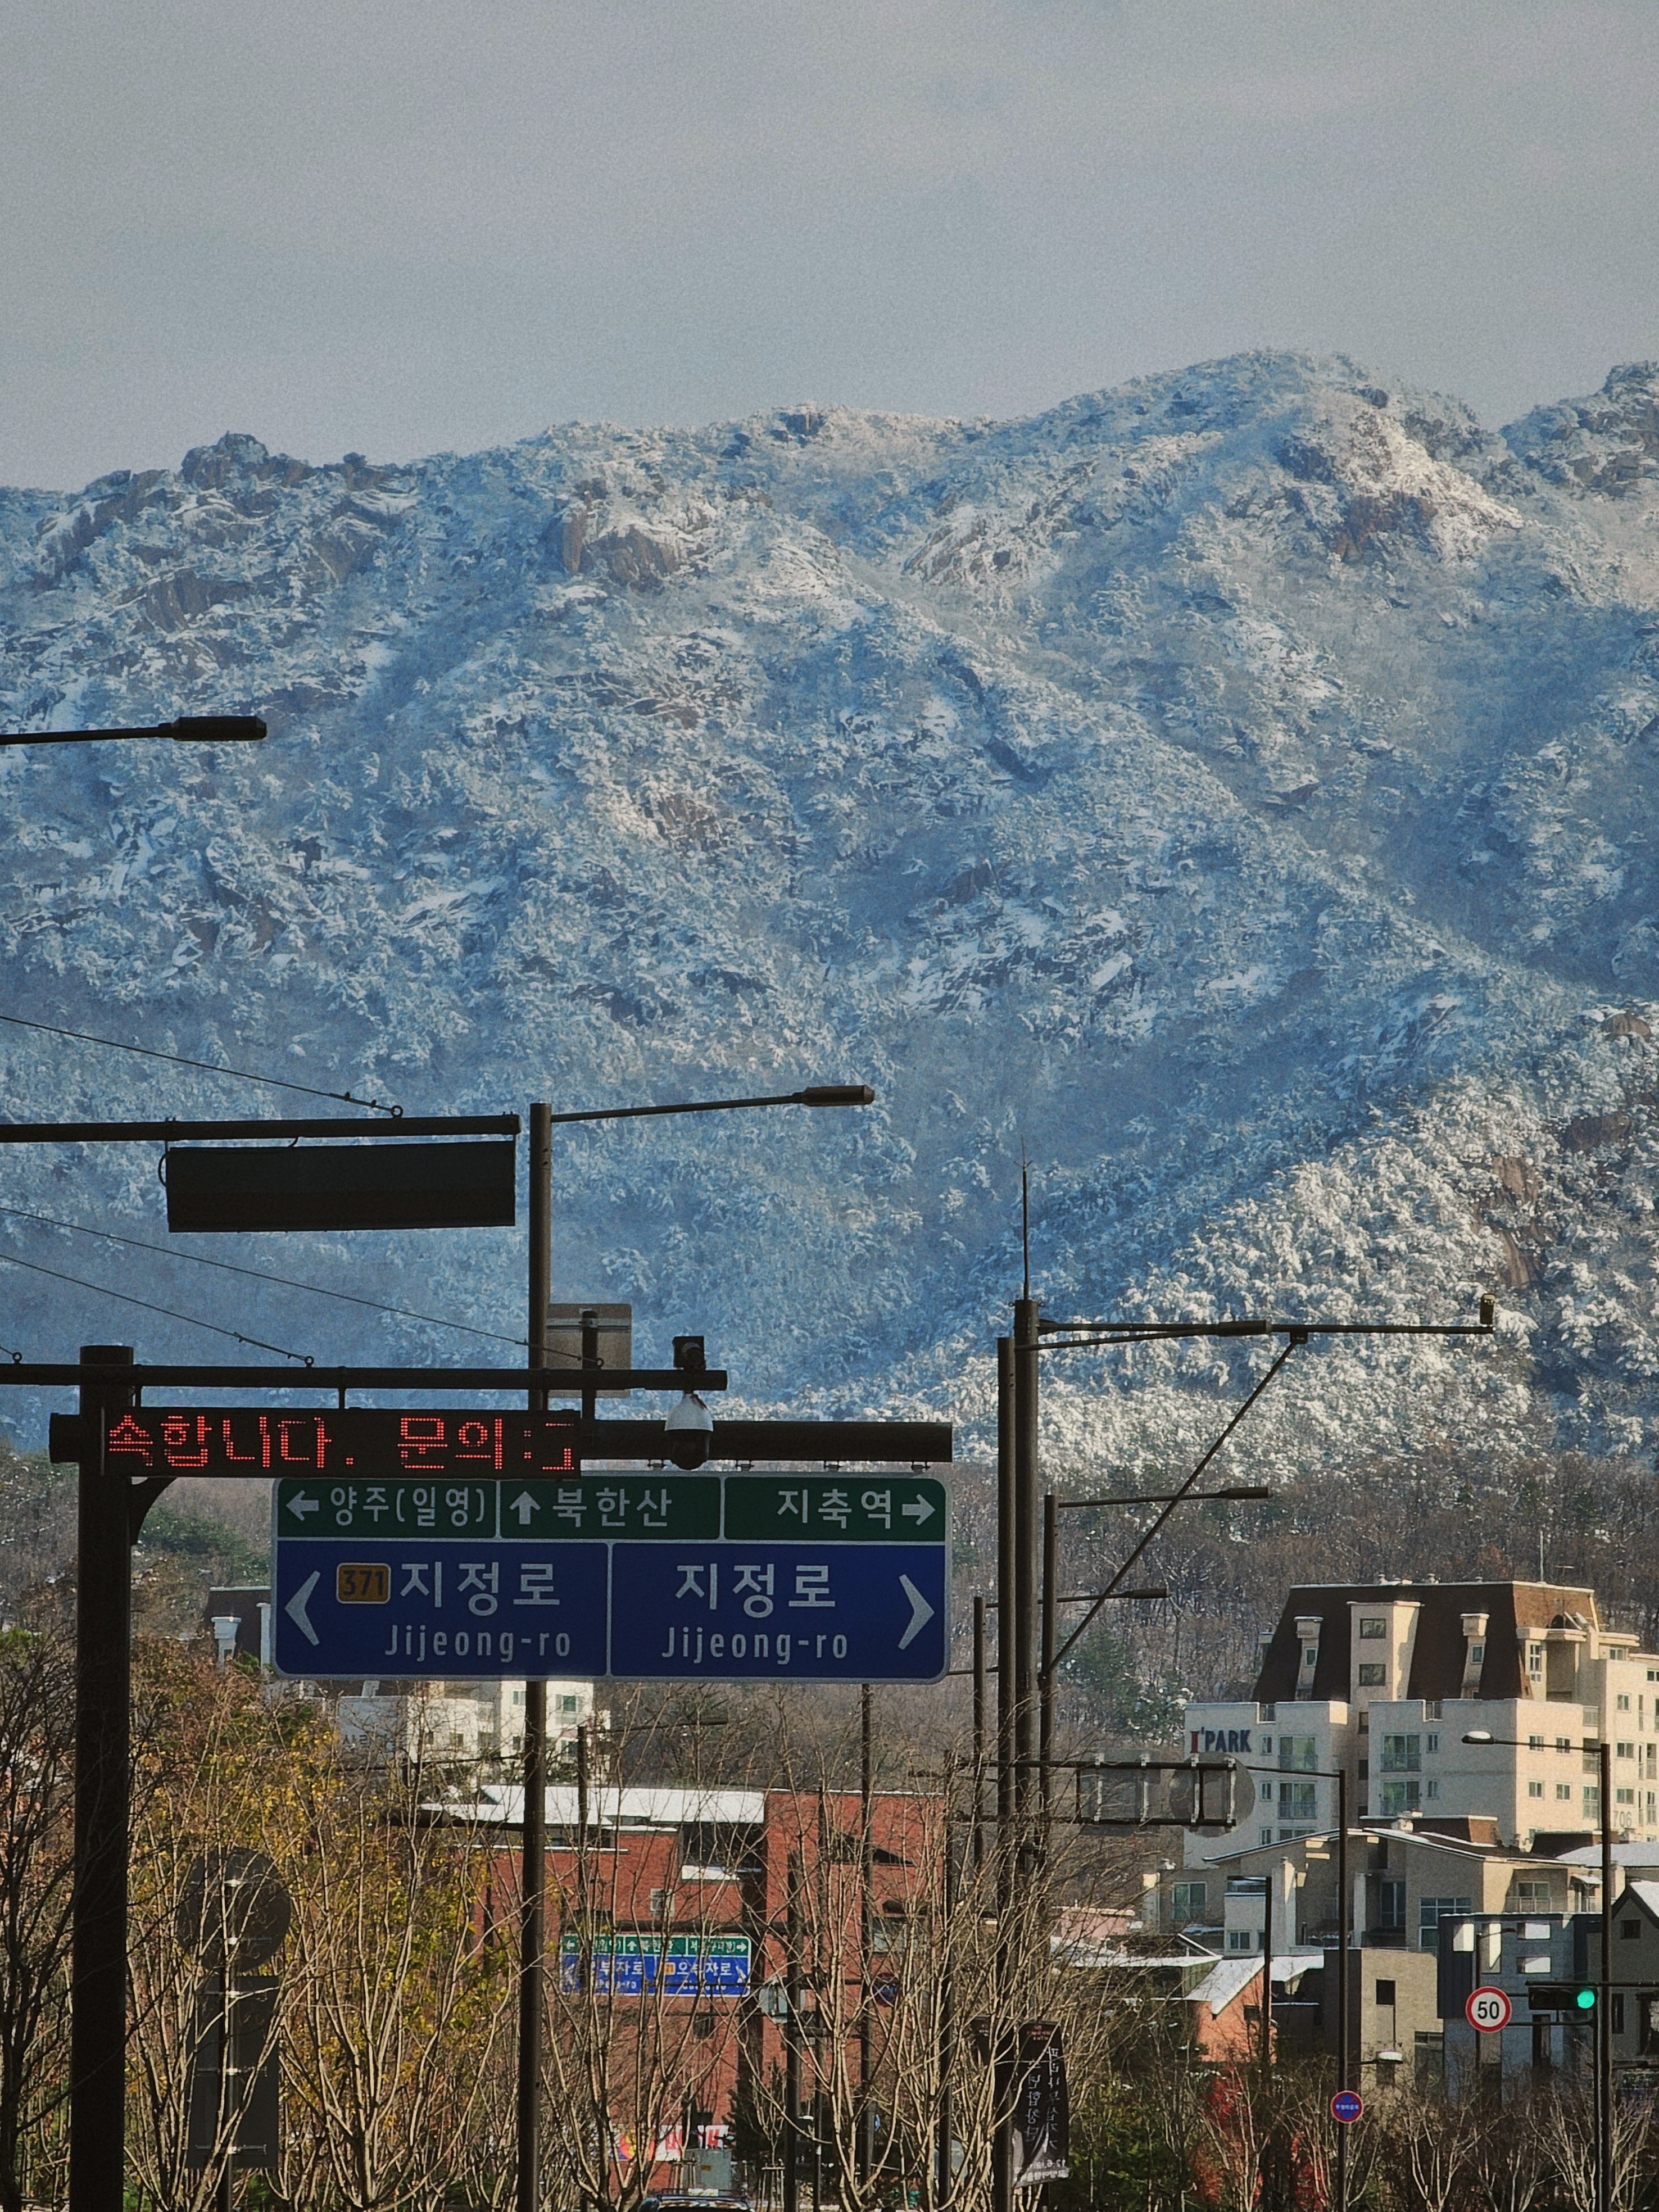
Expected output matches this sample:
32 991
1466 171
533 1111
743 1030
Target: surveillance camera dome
688 1431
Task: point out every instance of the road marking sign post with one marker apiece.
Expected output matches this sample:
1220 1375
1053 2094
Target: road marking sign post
1347 2107
1488 2009
479 1570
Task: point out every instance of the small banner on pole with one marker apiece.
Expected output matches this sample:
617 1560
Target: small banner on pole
1041 2118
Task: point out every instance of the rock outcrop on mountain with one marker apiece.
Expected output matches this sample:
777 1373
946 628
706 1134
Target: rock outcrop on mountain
1236 789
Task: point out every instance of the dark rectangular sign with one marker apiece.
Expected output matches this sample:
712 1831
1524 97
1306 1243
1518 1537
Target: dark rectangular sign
358 1444
443 1185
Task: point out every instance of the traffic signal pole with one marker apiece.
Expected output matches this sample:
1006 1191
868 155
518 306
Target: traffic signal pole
103 1786
533 1860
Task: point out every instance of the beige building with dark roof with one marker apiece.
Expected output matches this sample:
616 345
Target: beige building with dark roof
1384 1681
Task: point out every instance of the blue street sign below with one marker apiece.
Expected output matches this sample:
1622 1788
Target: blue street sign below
630 1577
839 1612
402 1607
634 1966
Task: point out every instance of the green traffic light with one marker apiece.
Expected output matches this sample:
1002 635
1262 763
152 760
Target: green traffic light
1585 1999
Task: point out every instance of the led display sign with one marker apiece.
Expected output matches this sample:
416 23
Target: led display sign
444 1443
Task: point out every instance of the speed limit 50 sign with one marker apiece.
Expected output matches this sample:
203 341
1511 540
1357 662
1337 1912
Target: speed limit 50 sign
1488 2009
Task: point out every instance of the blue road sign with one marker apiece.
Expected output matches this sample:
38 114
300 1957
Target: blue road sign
839 1612
465 1578
682 1966
464 1608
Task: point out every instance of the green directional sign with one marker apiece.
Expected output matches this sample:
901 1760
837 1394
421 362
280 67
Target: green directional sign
835 1508
640 1507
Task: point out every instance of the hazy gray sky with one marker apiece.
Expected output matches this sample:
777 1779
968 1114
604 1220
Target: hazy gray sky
404 225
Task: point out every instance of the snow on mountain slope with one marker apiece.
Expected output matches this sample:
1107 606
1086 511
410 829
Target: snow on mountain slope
1237 787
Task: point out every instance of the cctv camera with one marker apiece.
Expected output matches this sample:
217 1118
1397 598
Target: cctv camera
688 1431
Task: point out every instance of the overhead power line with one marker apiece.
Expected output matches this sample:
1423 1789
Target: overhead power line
208 1067
11 1259
257 1275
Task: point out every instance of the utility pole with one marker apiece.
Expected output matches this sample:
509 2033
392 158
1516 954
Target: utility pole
1049 1634
1344 1910
865 2161
103 1681
792 1996
943 2175
980 1688
533 1863
1604 1994
1025 1557
1267 2021
1002 2146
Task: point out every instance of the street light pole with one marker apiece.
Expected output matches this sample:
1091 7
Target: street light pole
533 1879
1604 1994
1603 1750
533 1857
103 1786
1344 1940
189 729
1344 1910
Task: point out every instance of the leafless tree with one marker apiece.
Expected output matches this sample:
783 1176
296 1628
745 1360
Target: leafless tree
37 1853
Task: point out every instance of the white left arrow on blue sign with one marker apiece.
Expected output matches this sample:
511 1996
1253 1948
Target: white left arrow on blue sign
295 1608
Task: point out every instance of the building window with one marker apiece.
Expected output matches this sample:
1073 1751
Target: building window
1390 1907
1371 1627
1621 1703
1563 1793
1535 1743
1385 1993
1266 1835
1297 1803
1535 1789
1618 2012
1564 1743
1431 1910
1432 1788
1477 1654
1534 1658
1399 1797
1623 1751
1265 1792
1592 1799
1532 1896
1401 1754
1371 1676
1187 1902
1431 1743
1241 1939
1299 1753
1624 1796
1630 1931
568 1705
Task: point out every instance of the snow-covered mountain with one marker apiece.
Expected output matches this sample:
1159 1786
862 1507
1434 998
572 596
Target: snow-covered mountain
1235 788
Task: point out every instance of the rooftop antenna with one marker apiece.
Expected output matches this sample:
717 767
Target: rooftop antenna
1540 1555
1025 1215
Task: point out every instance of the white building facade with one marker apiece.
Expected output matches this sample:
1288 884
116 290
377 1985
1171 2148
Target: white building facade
1384 1681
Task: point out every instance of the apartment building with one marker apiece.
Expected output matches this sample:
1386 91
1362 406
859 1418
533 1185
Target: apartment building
437 1723
1384 1681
